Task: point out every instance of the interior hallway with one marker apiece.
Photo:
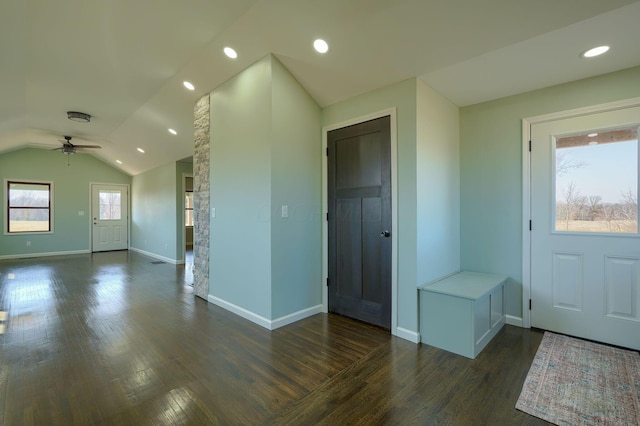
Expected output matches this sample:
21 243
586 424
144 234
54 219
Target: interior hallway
114 338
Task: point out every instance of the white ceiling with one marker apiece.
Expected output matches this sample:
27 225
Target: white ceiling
124 61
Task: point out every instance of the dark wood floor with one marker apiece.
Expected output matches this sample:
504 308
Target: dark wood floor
113 338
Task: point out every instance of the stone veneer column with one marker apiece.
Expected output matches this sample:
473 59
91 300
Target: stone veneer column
201 197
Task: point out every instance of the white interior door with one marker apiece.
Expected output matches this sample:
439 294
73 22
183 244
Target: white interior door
109 211
585 246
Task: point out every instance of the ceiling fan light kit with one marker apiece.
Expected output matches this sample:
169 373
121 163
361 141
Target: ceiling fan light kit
70 148
80 117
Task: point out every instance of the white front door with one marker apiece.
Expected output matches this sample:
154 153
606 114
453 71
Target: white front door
109 211
585 246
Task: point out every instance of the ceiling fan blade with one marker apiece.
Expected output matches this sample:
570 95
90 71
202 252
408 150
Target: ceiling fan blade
88 146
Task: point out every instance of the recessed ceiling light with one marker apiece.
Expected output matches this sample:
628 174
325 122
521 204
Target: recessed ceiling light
595 51
321 46
118 161
188 85
592 143
173 132
592 135
140 150
230 53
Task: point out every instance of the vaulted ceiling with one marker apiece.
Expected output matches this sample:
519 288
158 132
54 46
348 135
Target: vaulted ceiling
124 61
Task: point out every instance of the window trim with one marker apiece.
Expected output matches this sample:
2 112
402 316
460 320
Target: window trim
8 182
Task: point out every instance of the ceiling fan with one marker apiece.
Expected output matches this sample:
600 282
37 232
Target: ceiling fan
70 148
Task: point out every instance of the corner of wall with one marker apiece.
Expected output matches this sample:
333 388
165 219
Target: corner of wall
438 182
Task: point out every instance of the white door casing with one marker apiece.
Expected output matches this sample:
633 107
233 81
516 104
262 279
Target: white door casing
395 329
581 283
109 217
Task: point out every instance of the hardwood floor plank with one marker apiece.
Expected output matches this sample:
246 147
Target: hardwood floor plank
113 339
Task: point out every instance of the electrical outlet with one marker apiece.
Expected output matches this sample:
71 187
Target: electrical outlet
28 243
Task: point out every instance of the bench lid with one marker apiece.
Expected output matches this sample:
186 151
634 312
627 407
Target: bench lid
468 285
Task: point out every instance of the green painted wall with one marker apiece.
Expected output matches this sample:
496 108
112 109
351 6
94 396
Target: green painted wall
438 185
240 259
154 213
71 196
296 181
428 184
402 96
265 153
491 170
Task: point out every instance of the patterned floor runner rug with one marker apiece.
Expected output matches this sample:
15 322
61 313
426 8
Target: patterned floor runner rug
575 382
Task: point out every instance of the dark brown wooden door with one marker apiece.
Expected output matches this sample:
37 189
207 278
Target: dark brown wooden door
359 186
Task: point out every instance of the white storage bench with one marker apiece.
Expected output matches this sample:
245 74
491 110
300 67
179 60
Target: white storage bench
463 312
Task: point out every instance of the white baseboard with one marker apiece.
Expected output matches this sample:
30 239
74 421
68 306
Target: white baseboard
410 335
248 315
157 256
262 321
511 320
50 253
296 316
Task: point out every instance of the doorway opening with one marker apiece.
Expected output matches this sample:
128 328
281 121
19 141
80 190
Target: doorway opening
110 217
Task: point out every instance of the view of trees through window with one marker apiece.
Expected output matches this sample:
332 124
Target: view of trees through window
596 177
110 205
29 206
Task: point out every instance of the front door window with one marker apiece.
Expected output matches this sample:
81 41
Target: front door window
596 182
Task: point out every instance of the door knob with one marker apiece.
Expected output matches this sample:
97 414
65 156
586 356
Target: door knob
385 234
